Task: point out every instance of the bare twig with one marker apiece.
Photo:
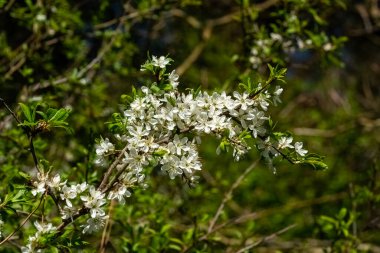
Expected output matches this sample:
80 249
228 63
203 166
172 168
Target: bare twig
22 223
8 6
208 28
10 111
267 238
110 169
107 229
66 222
85 69
33 151
15 67
363 12
228 196
29 134
206 35
270 211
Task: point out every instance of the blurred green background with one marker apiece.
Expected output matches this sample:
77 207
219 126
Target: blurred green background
85 54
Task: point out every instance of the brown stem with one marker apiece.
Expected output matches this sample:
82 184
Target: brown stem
111 168
33 152
23 223
107 229
229 195
269 237
10 111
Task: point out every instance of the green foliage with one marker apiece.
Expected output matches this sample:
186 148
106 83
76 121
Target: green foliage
65 64
51 118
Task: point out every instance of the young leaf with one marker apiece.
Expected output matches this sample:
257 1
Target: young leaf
26 110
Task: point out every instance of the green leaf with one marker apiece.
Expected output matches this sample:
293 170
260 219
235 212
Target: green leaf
316 164
342 213
159 152
315 161
24 175
26 110
175 247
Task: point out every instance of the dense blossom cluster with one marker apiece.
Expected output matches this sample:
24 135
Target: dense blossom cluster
42 229
161 128
80 194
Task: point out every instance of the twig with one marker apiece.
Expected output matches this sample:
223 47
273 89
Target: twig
66 222
28 133
266 212
114 179
206 35
84 70
15 67
123 19
10 111
111 168
23 223
107 229
269 237
365 17
8 6
33 151
229 195
207 31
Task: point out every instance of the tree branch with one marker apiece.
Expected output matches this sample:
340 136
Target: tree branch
229 195
23 223
269 237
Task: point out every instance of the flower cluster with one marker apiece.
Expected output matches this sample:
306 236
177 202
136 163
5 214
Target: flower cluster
33 241
44 182
161 127
82 194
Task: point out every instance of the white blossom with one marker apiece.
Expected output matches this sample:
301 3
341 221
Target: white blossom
276 95
44 228
119 193
104 147
94 224
67 212
285 142
298 148
68 193
161 62
173 79
178 146
94 201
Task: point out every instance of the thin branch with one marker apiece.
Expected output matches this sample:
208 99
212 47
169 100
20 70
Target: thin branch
206 35
10 111
270 211
23 223
114 179
84 70
15 67
207 30
107 229
267 238
110 169
228 196
123 18
8 6
28 133
33 151
66 222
